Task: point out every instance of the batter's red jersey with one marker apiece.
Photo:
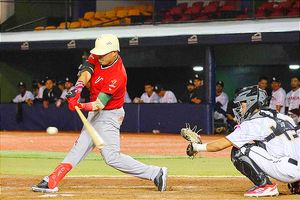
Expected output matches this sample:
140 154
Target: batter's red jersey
110 80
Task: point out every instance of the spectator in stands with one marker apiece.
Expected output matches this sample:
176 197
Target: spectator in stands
51 94
278 96
220 107
149 96
61 85
293 100
166 96
24 95
41 86
127 98
189 93
263 85
35 88
199 90
68 86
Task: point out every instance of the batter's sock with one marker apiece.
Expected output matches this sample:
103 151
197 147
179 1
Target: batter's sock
58 174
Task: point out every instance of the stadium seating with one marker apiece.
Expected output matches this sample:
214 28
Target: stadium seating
39 28
89 15
50 27
99 15
122 13
117 16
294 10
182 12
62 25
86 24
111 14
75 24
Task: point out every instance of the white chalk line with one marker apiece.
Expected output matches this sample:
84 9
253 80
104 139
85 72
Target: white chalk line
57 195
170 176
125 187
103 187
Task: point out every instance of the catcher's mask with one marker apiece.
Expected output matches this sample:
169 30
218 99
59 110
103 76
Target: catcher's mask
253 97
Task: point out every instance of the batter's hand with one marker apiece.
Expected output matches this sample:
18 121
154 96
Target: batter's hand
90 106
85 106
72 98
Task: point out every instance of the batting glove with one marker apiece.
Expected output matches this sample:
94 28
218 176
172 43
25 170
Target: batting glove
74 95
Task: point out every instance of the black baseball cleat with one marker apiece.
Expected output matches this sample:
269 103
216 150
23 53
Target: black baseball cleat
43 186
294 187
160 180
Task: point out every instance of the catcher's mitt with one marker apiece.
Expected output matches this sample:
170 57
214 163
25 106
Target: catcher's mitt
192 136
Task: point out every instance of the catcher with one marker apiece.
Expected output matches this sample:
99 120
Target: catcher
265 144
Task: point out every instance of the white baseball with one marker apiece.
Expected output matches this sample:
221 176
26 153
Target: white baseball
52 130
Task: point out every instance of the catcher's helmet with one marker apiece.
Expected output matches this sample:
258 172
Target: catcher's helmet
253 97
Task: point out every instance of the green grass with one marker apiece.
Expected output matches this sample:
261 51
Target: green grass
42 163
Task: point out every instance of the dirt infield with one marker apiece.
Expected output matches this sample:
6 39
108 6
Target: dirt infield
132 144
114 188
18 187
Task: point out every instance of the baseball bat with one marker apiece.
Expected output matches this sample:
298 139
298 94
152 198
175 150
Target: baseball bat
98 141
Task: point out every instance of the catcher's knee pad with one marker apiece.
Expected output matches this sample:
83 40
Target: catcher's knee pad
248 167
294 187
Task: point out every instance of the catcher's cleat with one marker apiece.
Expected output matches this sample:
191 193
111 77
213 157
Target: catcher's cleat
191 135
190 151
160 180
262 191
43 186
294 187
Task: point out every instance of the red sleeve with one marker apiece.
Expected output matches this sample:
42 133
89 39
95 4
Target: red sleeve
92 59
112 86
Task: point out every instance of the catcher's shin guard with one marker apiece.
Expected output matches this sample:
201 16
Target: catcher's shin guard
248 167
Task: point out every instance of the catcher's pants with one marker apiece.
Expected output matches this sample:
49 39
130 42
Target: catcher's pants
282 169
107 123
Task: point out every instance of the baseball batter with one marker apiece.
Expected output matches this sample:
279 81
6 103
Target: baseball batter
265 144
105 71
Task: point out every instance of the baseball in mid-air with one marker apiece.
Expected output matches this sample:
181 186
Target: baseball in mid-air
52 130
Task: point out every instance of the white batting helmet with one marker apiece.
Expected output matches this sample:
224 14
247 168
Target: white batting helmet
105 44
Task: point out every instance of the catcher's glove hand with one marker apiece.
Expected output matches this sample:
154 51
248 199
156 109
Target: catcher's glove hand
192 136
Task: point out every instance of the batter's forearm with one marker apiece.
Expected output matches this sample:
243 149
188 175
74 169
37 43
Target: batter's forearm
96 105
84 77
